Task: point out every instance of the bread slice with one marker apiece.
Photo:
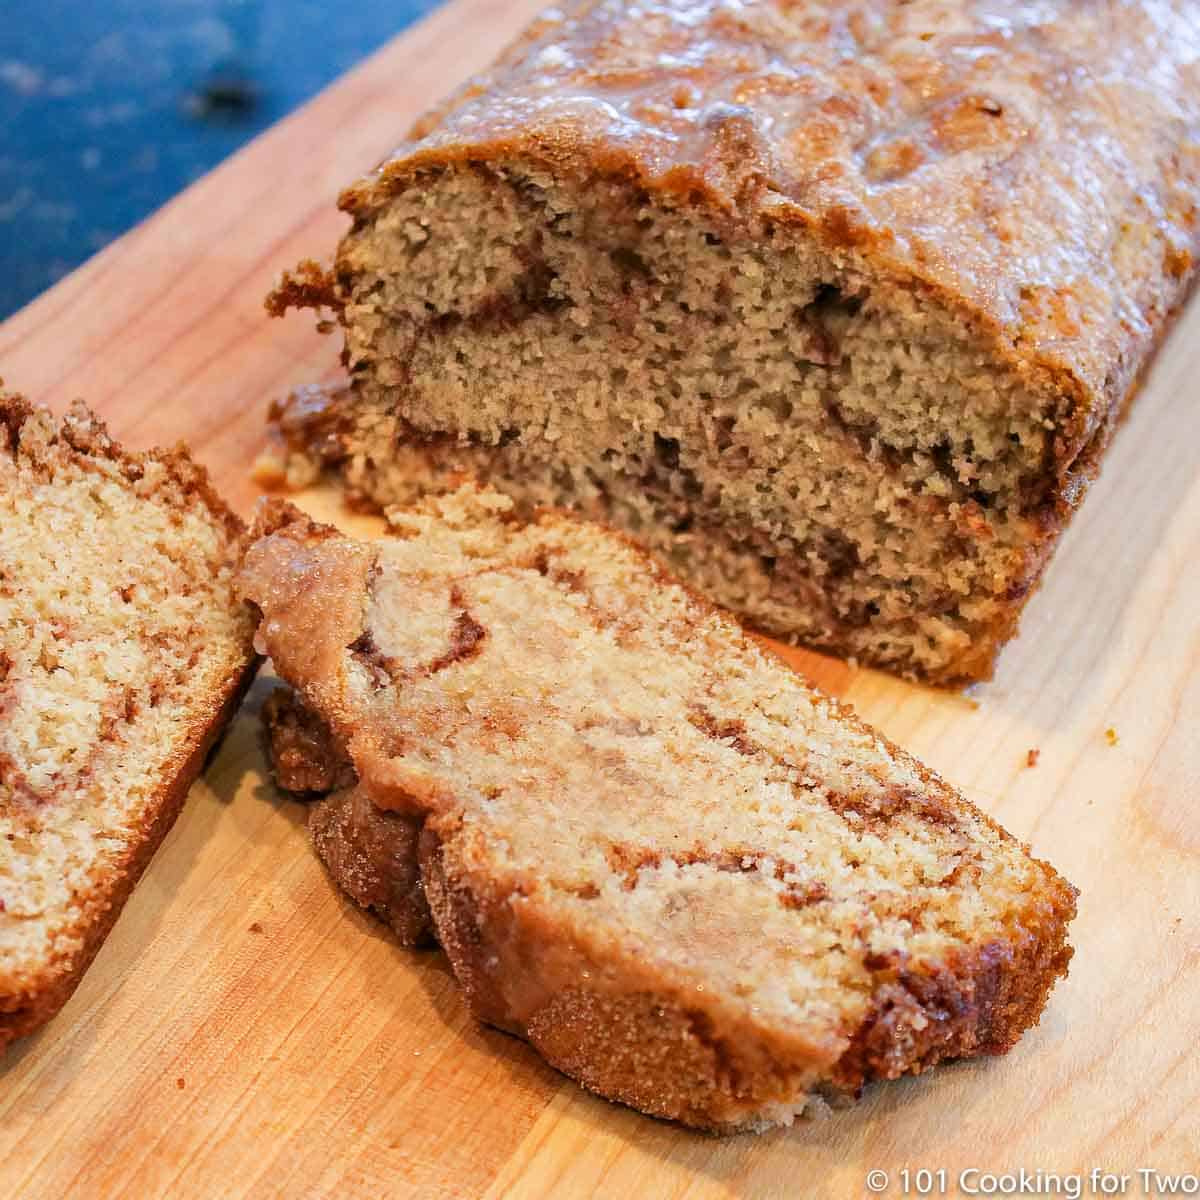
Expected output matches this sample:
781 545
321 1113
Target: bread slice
694 884
123 652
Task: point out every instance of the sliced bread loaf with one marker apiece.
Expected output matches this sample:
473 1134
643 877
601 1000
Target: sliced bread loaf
694 884
834 305
123 651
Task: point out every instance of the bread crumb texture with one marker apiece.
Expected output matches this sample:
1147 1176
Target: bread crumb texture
694 884
121 641
833 305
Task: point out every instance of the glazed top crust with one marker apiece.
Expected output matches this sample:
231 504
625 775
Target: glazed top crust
1036 164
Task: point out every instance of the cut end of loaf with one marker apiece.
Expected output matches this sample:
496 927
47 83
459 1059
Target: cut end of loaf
823 448
833 315
122 652
694 884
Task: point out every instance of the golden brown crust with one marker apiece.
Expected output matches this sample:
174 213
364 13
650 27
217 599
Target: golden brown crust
630 1035
33 999
954 147
977 1003
372 856
88 436
324 595
630 1041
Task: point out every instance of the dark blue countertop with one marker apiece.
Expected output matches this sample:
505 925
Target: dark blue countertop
110 107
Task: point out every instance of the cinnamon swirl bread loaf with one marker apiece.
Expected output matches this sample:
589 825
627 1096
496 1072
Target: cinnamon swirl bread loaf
833 305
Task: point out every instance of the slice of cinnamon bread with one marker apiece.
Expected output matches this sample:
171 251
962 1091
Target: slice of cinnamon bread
123 651
694 884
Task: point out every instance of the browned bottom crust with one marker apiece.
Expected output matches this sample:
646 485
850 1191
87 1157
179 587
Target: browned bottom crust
641 1046
305 758
372 856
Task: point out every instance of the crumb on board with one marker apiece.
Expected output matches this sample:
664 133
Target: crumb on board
180 1083
270 469
256 928
1031 759
1110 736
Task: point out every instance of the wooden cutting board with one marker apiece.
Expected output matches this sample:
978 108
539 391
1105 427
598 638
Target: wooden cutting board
246 1033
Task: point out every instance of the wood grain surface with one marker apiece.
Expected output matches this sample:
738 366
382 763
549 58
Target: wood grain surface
245 1032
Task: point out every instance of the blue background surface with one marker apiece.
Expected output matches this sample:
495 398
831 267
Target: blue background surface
110 107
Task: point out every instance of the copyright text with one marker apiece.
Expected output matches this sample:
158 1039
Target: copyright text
974 1181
